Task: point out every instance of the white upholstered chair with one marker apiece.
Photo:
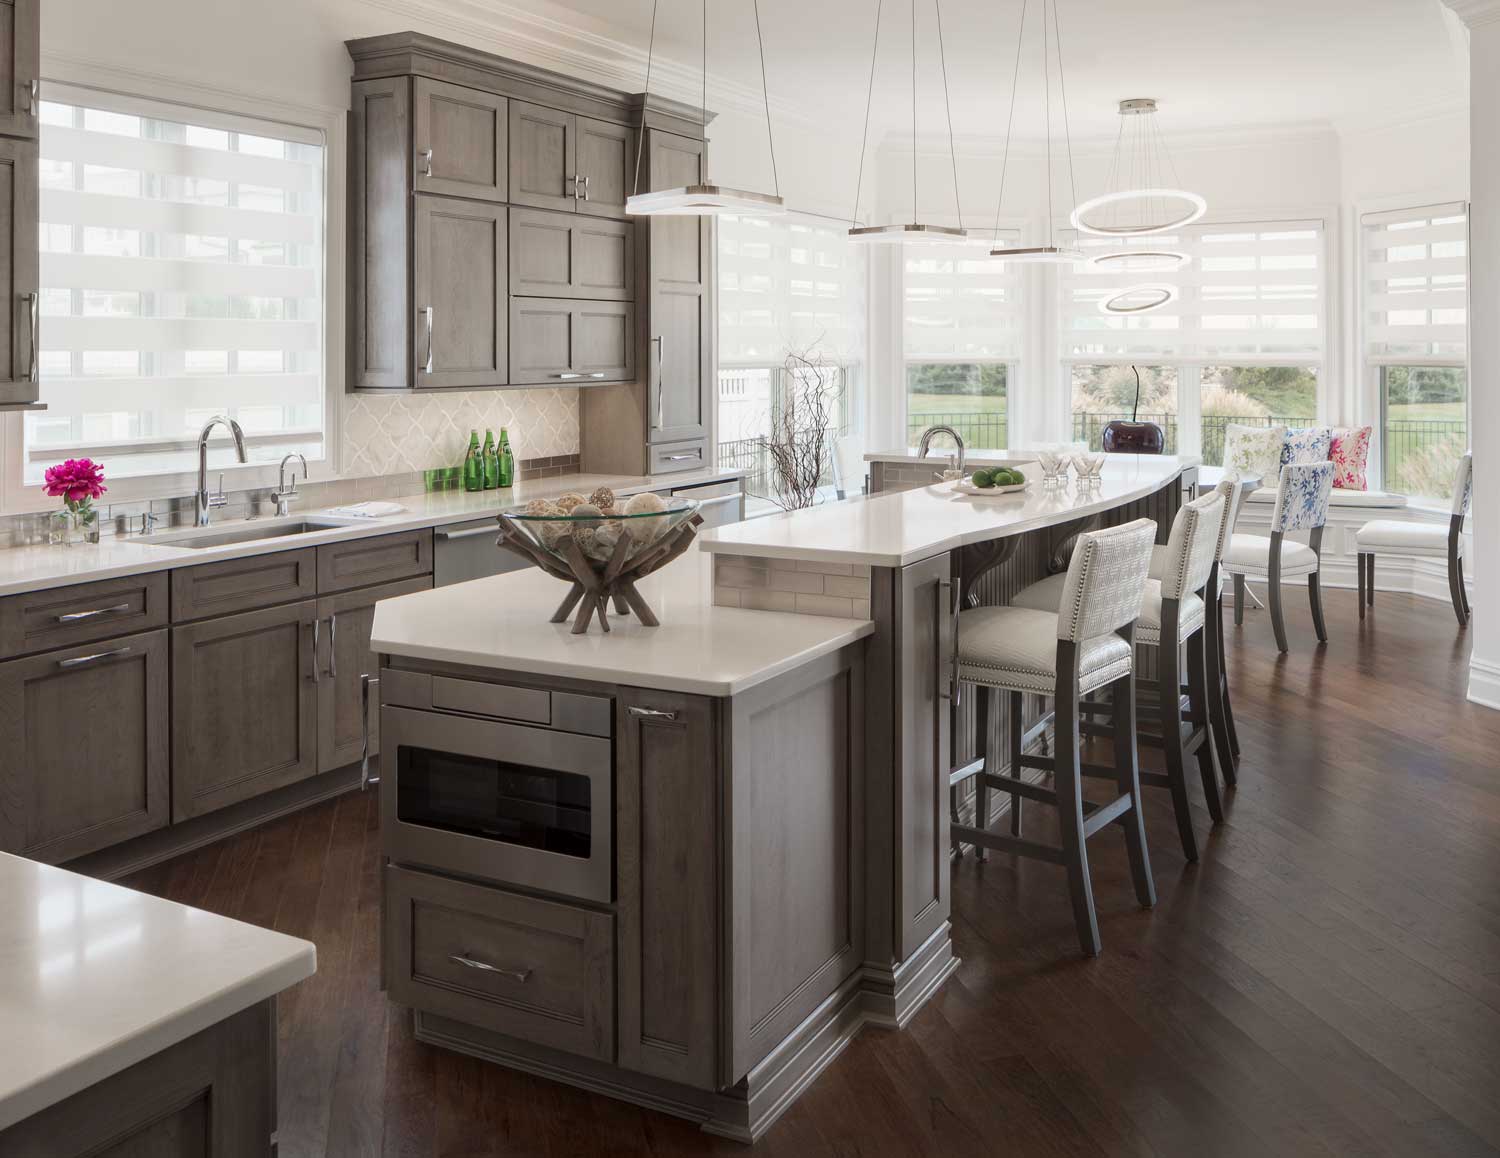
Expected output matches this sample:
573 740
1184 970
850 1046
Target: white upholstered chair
1422 540
1302 494
1084 643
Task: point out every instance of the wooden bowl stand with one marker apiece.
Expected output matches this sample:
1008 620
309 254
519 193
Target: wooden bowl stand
592 590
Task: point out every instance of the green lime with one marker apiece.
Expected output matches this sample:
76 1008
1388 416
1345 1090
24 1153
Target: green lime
1017 478
1004 477
982 478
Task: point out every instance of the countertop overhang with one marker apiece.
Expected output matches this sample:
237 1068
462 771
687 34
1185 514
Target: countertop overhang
897 528
95 977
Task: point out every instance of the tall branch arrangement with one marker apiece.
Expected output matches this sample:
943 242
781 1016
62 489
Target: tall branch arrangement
800 445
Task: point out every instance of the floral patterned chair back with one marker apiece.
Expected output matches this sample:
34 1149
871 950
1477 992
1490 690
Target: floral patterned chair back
1463 485
1302 496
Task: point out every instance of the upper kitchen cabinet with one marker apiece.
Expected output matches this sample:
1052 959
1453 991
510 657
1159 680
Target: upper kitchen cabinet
459 274
459 135
569 163
20 66
20 56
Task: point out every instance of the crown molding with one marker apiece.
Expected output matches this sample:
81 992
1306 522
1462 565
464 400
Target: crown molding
1476 13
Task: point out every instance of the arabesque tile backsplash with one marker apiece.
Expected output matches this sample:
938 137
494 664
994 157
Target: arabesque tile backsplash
411 433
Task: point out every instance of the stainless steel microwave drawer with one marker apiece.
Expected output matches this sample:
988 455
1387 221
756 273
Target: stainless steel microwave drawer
562 711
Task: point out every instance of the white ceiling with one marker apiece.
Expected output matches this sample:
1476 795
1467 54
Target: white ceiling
1212 64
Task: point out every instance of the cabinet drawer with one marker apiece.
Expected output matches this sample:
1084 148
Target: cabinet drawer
558 342
242 584
62 616
537 970
362 562
676 456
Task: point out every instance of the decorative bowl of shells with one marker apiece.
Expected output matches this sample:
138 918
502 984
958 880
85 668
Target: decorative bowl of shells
601 546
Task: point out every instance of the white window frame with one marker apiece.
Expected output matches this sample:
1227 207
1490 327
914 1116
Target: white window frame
330 122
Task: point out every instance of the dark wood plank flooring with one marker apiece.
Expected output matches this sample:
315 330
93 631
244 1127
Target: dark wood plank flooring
1325 982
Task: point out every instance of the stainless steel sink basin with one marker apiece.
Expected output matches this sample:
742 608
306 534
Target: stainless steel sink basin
246 532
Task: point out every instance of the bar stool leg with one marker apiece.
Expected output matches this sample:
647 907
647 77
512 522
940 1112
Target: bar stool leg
981 787
1068 779
1169 710
1234 738
1239 600
1122 716
1208 767
1214 664
1017 731
1370 579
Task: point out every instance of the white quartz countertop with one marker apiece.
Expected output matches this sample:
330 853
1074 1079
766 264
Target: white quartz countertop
35 568
896 528
501 622
95 977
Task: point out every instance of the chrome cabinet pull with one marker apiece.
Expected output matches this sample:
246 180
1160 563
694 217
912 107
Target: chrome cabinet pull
427 313
76 616
721 500
333 646
80 660
33 369
651 714
367 684
585 188
597 374
567 375
577 193
485 967
427 160
33 90
680 457
661 354
317 629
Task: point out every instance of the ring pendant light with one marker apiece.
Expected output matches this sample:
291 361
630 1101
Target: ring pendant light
914 230
1051 253
705 199
1143 194
1138 299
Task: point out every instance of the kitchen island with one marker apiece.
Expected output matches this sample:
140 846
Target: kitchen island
774 759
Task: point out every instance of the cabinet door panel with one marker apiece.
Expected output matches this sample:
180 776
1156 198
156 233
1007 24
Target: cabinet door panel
680 398
460 279
380 333
459 141
604 341
244 707
18 269
605 153
564 255
345 655
678 244
85 736
542 157
604 260
541 349
20 66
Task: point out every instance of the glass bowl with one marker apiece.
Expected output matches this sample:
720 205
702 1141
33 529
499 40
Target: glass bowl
597 537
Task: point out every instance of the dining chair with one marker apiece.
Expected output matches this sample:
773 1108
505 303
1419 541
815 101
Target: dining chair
1421 540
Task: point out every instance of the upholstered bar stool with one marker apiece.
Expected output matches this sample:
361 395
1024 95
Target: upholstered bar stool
1173 608
1082 644
1393 537
1301 505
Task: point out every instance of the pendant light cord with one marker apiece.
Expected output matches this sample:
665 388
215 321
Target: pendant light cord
1010 121
704 109
765 93
958 207
1062 84
914 111
864 139
640 143
1047 111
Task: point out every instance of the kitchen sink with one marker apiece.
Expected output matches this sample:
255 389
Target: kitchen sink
246 532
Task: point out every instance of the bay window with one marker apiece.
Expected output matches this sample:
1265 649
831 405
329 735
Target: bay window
1415 320
182 270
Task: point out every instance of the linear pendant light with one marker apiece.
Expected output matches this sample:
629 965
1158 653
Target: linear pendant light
914 230
705 200
1052 253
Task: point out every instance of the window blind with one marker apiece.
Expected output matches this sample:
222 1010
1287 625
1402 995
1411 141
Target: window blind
182 266
788 283
960 304
1416 285
1253 292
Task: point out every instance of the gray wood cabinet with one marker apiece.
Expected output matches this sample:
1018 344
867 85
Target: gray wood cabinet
84 732
459 137
19 271
606 162
20 66
380 181
559 342
566 162
564 255
459 277
244 706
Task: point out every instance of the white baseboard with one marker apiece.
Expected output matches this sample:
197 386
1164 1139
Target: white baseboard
1484 683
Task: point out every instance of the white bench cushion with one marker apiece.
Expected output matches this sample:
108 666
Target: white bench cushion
1047 594
1251 555
1015 648
1340 498
1396 537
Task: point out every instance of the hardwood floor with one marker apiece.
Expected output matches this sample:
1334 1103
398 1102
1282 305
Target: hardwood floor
1326 981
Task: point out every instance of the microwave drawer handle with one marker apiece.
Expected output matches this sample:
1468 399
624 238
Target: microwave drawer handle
469 533
652 714
368 693
484 967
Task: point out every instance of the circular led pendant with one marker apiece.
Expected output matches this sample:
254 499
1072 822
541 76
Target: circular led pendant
1189 207
1139 261
1138 299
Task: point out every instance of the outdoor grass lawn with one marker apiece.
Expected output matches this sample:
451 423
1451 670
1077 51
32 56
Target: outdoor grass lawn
1430 411
955 404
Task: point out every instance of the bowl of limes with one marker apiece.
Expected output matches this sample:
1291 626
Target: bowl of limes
989 482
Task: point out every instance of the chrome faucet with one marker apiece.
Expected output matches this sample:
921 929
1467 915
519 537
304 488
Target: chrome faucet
926 443
283 495
207 502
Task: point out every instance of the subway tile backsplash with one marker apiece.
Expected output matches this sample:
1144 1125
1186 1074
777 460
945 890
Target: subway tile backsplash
841 590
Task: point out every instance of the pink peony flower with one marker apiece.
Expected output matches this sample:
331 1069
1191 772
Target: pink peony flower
78 481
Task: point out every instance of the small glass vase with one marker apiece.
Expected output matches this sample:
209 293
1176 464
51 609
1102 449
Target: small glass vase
68 528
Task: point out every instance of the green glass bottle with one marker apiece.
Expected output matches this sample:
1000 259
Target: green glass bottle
474 465
507 461
491 462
